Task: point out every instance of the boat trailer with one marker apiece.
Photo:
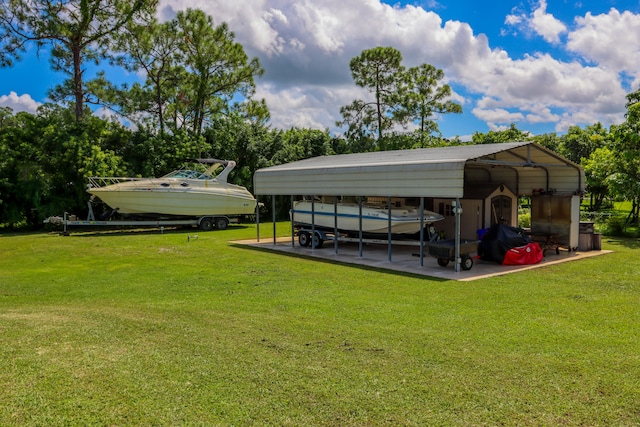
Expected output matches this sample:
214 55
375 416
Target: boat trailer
442 250
205 223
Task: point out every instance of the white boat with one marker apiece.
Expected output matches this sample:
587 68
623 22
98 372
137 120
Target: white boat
375 217
184 193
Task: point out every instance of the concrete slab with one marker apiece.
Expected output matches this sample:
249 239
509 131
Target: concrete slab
406 259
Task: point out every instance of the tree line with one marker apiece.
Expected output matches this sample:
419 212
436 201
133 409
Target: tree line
196 99
46 158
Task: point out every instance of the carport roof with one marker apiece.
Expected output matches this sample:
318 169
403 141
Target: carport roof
428 172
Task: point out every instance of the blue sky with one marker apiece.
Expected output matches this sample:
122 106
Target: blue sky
541 64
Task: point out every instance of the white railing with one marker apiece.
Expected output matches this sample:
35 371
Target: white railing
102 181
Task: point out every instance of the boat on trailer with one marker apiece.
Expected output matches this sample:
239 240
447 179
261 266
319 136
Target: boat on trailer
321 213
187 192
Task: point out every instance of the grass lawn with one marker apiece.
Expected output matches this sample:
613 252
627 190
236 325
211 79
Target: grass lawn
157 329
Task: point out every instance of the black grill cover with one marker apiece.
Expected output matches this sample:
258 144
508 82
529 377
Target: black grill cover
499 239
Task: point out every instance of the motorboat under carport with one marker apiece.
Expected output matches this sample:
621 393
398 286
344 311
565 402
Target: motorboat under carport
443 172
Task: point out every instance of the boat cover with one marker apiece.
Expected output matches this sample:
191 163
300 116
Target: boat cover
509 246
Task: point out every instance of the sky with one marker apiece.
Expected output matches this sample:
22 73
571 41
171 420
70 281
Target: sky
543 65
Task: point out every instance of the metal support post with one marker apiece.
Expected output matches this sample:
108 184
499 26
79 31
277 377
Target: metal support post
293 230
257 221
457 211
389 250
421 231
273 213
335 224
360 224
313 222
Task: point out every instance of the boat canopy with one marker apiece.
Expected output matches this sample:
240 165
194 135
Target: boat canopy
209 161
525 167
211 164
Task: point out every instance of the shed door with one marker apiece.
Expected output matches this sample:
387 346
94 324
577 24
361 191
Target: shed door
501 207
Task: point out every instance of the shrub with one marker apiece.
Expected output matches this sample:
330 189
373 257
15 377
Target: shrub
524 220
616 226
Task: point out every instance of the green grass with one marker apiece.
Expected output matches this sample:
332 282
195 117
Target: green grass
155 329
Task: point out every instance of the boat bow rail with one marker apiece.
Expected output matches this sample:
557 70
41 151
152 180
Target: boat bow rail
102 181
139 183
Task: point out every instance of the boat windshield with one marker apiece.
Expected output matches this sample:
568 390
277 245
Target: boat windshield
188 174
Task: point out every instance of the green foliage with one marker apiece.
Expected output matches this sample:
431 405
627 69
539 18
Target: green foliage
154 48
219 69
47 160
599 170
424 97
150 155
549 140
579 143
194 70
76 31
513 134
524 219
298 144
400 98
21 183
616 226
625 182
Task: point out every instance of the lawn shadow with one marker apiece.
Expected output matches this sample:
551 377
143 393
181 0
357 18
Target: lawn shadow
81 231
627 242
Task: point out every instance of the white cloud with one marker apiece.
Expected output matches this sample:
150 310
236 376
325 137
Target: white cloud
610 40
497 118
546 24
540 113
19 102
305 48
538 22
316 108
513 20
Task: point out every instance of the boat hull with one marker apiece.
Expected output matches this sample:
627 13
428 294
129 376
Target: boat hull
374 220
139 197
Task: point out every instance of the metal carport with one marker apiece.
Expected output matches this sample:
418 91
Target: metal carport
430 172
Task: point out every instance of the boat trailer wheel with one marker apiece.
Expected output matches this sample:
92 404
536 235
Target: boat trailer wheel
221 223
206 224
304 238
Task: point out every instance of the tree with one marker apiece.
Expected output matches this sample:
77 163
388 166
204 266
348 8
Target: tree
242 135
21 183
45 160
301 144
600 169
548 140
424 97
77 31
512 134
153 48
578 144
400 97
626 145
70 151
218 68
379 71
360 120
